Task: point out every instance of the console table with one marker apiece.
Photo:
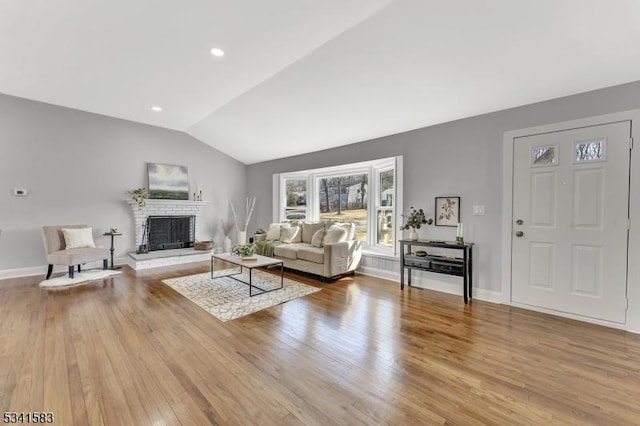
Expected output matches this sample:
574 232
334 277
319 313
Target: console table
440 264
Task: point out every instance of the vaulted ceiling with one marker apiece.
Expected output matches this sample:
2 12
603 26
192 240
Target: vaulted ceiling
301 75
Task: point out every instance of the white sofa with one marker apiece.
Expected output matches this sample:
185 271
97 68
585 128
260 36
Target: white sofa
334 253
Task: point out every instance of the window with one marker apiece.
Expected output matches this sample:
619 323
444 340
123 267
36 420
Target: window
363 193
296 198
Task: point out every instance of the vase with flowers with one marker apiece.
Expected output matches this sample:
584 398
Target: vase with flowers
414 220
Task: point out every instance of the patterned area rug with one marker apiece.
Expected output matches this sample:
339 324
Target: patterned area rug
227 299
78 278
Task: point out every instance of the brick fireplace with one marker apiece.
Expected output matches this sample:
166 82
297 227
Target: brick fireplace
166 208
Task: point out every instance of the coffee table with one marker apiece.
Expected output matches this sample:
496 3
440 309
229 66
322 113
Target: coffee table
255 261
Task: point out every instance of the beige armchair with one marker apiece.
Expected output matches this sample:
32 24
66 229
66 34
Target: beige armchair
58 254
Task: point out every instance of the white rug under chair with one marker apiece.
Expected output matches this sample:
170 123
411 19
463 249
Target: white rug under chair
79 278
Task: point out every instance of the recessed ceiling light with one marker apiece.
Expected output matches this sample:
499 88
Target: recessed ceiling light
217 51
156 108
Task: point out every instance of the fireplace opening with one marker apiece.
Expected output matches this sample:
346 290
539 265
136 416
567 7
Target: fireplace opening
170 232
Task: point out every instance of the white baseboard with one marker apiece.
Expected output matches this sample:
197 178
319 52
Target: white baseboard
42 269
433 284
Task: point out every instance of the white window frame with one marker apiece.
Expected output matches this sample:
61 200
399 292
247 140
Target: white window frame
372 169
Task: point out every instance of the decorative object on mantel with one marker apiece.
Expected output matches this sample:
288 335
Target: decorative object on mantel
226 229
414 221
460 233
168 182
447 211
139 196
242 232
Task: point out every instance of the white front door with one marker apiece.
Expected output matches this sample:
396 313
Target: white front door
570 221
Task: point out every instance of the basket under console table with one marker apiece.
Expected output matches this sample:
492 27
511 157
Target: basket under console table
439 264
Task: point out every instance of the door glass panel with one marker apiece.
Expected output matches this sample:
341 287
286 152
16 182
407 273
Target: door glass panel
592 150
544 155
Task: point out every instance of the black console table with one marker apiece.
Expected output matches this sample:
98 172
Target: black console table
450 265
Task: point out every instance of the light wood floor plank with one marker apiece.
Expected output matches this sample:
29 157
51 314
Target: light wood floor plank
130 350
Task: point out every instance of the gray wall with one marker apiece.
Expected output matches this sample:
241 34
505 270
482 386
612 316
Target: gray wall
77 167
462 158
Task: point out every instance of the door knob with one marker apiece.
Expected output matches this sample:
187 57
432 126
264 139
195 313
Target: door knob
519 222
519 234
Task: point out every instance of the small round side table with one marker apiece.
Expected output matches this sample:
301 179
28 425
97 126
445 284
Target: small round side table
112 234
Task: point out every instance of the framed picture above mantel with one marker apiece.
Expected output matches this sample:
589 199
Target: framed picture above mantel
168 182
447 211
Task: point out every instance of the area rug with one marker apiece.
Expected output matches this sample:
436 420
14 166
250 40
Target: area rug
227 299
79 278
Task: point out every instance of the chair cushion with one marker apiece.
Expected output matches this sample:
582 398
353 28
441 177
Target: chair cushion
78 237
312 254
77 256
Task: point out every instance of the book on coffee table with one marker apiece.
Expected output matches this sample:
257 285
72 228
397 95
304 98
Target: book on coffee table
249 258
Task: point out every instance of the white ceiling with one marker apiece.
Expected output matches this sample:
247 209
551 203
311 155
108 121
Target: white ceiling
302 75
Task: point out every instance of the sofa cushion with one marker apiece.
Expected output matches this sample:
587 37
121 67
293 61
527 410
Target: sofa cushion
310 228
274 230
311 254
291 235
316 240
350 227
335 234
288 251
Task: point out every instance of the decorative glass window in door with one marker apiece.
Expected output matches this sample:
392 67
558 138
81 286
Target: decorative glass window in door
544 155
591 150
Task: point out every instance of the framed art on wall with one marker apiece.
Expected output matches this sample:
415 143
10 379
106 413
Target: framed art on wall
447 211
168 182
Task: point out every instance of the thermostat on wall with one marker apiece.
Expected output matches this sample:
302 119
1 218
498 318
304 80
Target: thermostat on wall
18 192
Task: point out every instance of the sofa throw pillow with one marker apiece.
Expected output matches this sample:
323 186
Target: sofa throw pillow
78 237
291 235
335 234
274 230
316 240
310 228
350 227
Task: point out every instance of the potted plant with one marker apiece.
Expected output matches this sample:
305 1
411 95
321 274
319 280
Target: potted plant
414 220
260 235
139 197
244 249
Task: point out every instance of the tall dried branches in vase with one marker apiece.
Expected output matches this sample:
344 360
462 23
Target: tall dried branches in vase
242 232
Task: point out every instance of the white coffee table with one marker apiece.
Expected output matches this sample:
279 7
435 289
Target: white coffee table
253 262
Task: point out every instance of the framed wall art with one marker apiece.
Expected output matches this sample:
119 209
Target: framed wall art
447 211
168 182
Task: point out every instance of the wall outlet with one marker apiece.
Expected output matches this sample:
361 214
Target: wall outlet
478 210
19 192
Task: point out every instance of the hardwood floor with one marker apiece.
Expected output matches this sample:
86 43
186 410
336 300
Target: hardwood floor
130 350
